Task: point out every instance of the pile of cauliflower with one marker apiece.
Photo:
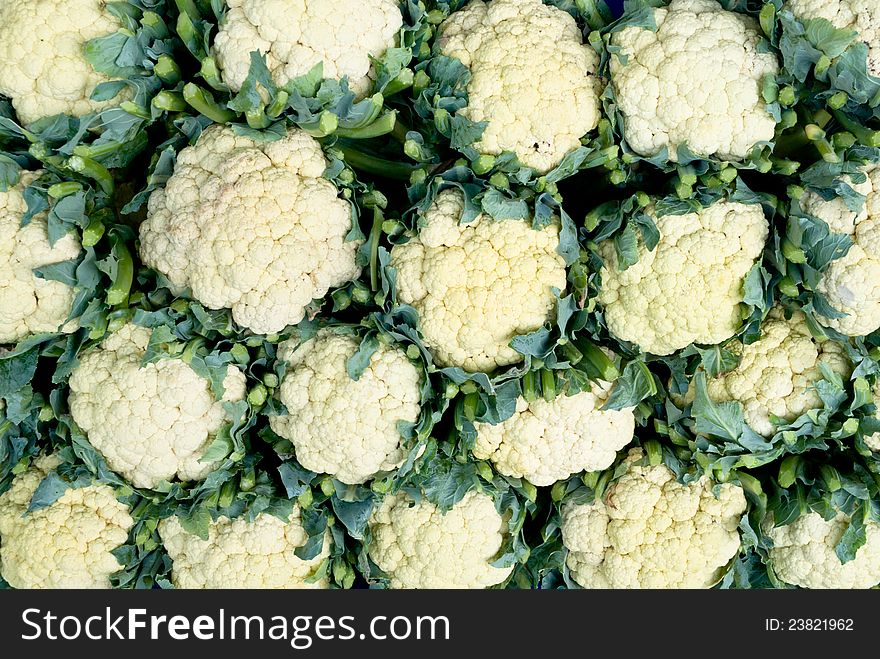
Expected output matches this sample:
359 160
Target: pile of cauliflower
426 294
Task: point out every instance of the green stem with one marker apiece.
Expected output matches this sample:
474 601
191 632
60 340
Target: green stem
548 385
530 391
375 235
167 70
203 101
377 166
169 101
864 135
117 293
93 170
382 126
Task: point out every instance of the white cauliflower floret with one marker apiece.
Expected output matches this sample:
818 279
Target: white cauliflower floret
777 373
343 427
44 70
545 442
803 554
851 284
533 79
243 554
478 285
31 304
863 16
419 546
296 35
689 288
695 81
153 422
251 226
66 544
649 531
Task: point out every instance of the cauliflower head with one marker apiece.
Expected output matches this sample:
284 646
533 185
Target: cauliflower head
545 442
803 554
863 16
689 288
30 304
851 284
478 285
649 531
296 35
251 226
777 372
533 80
46 73
65 545
343 427
419 546
243 554
695 81
151 422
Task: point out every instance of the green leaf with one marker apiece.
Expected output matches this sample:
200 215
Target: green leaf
723 419
632 387
197 522
853 538
353 515
360 360
830 40
17 371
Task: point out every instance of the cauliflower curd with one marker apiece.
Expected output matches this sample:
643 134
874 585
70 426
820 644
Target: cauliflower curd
153 422
419 546
545 442
343 427
45 73
851 284
30 304
478 285
695 81
803 554
649 531
777 372
533 80
296 35
66 544
243 554
251 226
689 288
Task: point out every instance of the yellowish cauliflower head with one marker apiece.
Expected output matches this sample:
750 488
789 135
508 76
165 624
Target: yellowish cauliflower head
66 544
30 304
44 71
251 226
151 423
478 285
689 288
863 16
695 81
343 427
803 554
242 554
851 284
296 35
545 442
418 546
650 531
533 80
777 373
